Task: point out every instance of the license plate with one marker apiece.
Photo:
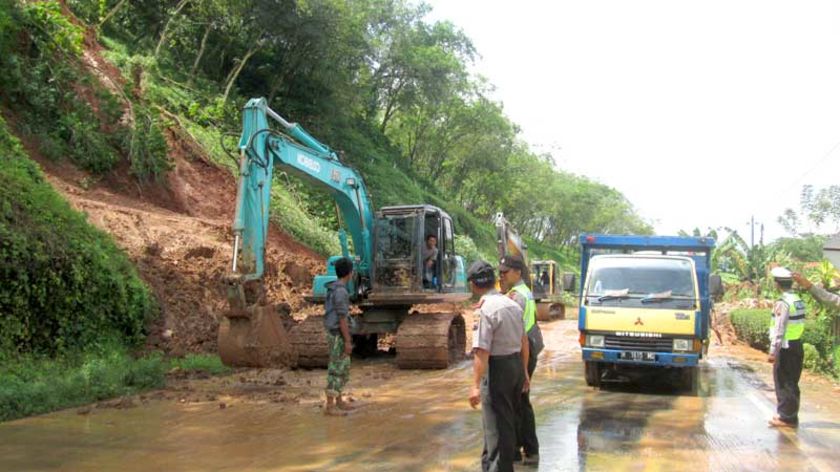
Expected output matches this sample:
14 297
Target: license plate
638 356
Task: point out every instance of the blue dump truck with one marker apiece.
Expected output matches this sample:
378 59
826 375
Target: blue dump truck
645 303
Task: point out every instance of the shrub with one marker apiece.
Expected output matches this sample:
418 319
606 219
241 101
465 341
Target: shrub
752 326
812 357
147 149
32 385
65 284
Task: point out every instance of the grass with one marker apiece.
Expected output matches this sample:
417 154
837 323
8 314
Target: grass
32 385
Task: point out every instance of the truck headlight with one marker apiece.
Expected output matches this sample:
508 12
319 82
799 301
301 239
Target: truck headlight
682 344
595 340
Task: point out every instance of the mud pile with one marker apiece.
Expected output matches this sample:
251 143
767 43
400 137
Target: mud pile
178 234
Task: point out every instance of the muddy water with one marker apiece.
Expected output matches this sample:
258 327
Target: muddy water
421 421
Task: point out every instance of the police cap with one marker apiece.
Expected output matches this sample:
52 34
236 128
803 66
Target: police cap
512 262
481 273
780 273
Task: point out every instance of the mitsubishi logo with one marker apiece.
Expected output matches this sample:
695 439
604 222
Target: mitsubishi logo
638 321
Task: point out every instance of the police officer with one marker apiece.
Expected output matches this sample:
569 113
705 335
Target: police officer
511 270
500 349
786 355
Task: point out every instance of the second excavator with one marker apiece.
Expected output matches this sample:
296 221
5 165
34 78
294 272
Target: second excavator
387 250
542 278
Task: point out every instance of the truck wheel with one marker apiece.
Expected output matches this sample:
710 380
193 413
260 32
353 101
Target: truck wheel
592 373
690 379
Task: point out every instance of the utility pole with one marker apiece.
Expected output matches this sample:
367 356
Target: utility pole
752 231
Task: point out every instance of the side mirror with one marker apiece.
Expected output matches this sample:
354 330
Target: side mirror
569 282
715 286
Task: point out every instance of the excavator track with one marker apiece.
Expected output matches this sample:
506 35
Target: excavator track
548 311
430 340
309 338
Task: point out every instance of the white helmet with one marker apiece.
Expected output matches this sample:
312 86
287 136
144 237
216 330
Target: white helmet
781 273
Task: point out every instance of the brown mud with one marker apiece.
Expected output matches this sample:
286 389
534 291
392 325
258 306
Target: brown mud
271 419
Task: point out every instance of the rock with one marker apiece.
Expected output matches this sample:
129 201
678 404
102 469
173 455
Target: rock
222 405
83 411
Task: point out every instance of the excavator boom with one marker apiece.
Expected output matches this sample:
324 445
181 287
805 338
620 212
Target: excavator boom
253 334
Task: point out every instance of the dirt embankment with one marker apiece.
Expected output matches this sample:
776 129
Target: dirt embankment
178 235
177 231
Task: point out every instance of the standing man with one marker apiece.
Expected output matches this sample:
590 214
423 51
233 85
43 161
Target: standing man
511 269
821 294
430 254
337 324
500 349
786 355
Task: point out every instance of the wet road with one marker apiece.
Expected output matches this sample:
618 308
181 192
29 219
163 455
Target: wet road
421 421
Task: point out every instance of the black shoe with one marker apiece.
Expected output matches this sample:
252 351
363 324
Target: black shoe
531 459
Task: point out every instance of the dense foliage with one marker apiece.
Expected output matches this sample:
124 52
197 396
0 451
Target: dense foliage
752 326
65 284
375 79
60 105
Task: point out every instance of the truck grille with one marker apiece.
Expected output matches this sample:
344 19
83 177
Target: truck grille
638 344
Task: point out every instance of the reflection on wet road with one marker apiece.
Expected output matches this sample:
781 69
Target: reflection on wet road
421 421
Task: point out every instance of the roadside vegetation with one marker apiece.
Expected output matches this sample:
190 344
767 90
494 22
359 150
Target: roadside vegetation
745 270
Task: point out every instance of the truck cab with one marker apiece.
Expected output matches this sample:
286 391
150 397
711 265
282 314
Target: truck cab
645 302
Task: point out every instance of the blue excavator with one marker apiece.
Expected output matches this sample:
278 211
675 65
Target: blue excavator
388 247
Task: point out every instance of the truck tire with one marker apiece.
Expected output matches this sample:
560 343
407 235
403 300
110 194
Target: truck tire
690 380
592 373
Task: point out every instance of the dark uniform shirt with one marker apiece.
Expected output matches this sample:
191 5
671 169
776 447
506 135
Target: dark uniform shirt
336 305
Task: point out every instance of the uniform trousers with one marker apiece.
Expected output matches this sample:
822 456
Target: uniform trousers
526 427
786 372
501 393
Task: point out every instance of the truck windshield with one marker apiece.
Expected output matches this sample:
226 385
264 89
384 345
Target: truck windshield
641 281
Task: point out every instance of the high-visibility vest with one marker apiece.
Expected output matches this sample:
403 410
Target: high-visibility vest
529 315
796 316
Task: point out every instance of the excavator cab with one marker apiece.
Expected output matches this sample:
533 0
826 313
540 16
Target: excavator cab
543 279
414 251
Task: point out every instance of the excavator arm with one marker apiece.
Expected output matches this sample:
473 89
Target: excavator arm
294 150
253 333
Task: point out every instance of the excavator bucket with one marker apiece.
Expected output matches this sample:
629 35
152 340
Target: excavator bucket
255 337
547 311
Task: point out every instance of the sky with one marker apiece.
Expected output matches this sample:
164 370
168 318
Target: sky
702 113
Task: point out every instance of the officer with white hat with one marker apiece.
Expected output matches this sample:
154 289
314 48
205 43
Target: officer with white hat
786 355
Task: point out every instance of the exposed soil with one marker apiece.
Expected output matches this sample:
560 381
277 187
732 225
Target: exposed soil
177 231
178 235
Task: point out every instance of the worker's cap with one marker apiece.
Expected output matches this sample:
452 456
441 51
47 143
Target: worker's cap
512 261
481 273
780 273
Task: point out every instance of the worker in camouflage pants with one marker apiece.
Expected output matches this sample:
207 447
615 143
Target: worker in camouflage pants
337 325
338 370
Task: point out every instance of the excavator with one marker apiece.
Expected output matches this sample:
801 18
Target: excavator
542 277
387 250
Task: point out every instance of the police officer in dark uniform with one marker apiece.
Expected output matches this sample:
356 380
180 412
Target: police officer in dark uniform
512 269
786 354
500 348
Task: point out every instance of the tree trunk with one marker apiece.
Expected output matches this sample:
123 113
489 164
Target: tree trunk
200 51
111 13
236 72
165 31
